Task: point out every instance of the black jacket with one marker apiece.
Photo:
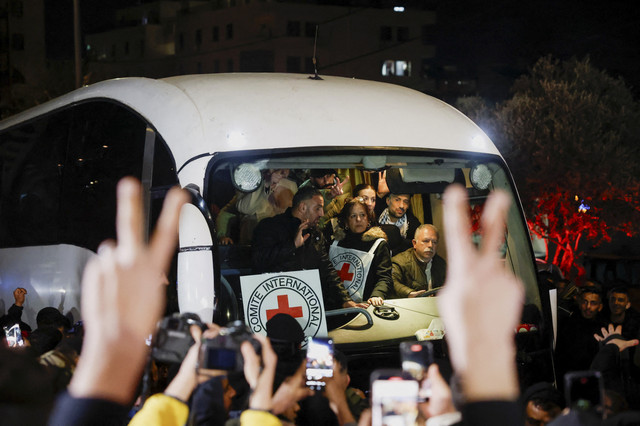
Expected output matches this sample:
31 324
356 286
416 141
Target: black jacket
273 250
379 282
575 346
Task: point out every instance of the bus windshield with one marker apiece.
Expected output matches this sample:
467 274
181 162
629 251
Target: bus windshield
246 195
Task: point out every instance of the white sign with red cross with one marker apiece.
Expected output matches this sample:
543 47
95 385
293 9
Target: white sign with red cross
297 293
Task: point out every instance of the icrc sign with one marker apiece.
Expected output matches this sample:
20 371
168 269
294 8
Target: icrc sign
297 293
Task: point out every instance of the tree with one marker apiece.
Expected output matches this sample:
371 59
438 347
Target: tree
570 136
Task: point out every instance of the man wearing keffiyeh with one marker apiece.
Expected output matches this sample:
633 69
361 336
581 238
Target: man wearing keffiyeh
397 213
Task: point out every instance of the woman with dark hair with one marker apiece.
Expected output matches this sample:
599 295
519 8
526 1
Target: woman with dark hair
361 255
367 194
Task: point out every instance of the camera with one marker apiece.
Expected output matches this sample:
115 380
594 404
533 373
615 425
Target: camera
223 351
173 337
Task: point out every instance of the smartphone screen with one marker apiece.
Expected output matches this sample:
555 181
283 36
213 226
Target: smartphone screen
416 358
13 335
319 361
394 402
584 391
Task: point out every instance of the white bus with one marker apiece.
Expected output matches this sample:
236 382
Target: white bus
212 134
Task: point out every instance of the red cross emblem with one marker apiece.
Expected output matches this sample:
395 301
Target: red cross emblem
344 273
283 308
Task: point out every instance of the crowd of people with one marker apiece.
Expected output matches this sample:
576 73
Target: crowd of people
100 371
323 221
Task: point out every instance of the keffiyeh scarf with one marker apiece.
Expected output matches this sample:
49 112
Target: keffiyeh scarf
401 223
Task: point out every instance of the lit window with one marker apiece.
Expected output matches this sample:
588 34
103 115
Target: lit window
388 68
397 68
403 68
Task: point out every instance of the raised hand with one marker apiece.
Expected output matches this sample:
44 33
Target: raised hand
481 301
19 295
260 371
610 332
123 297
383 188
336 189
300 238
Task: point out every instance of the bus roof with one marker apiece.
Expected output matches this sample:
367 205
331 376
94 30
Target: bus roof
198 114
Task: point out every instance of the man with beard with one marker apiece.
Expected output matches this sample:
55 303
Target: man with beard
397 214
622 313
291 241
576 346
327 181
419 269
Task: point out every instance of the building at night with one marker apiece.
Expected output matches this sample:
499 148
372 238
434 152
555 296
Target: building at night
167 38
23 64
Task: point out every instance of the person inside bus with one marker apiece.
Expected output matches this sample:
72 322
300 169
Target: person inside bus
369 279
419 269
273 197
291 241
397 214
368 195
328 182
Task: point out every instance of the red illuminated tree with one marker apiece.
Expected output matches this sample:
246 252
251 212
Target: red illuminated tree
571 138
570 135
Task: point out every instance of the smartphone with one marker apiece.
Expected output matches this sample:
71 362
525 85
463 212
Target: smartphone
394 401
319 361
416 358
13 335
584 391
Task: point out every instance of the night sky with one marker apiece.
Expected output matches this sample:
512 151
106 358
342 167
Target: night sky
510 36
500 37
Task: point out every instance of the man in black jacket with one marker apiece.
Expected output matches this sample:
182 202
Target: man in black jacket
291 241
575 346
